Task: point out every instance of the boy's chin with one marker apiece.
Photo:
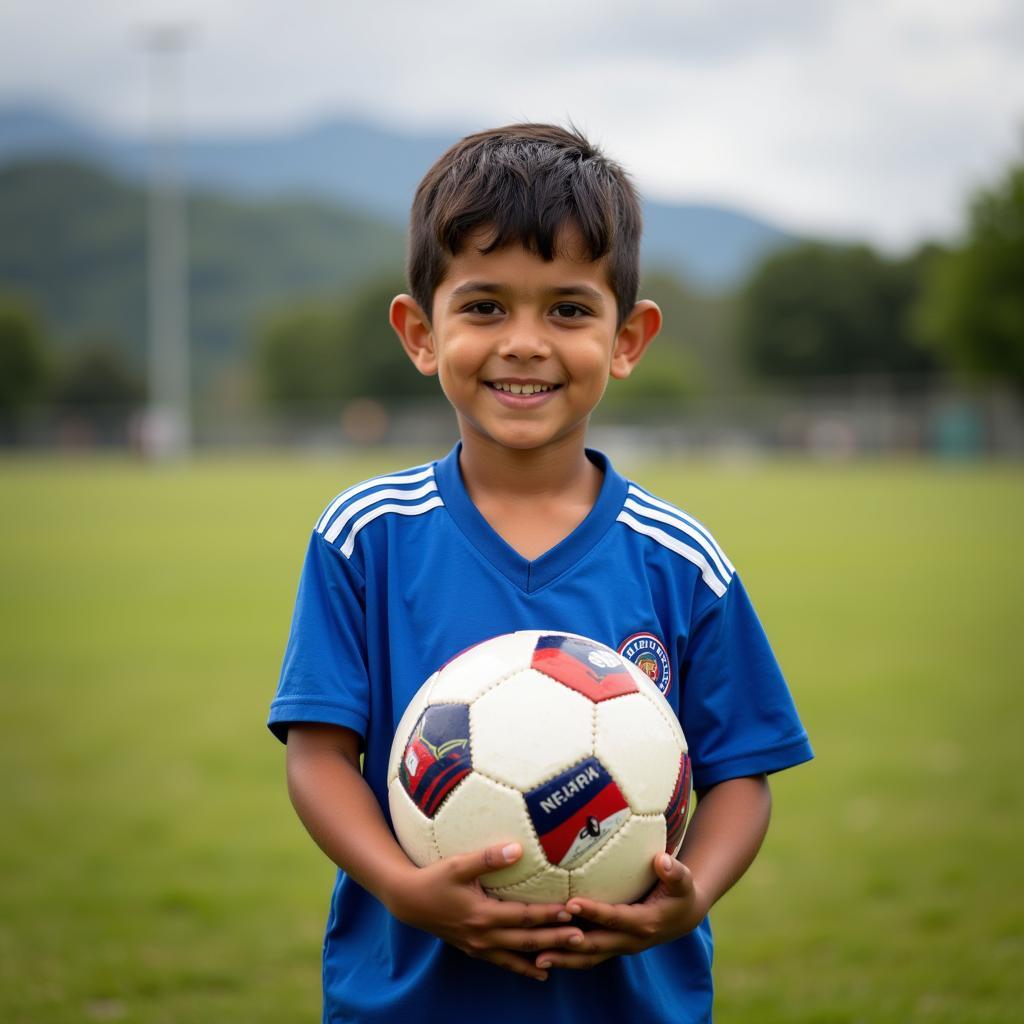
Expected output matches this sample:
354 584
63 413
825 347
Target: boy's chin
529 437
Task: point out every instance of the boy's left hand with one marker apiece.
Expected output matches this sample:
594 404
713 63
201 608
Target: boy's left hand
672 908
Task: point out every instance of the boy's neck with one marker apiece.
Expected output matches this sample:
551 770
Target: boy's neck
532 499
492 472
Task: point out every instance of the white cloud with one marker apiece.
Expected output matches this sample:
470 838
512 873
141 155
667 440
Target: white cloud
865 118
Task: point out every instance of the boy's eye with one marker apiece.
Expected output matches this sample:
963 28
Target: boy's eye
484 308
570 311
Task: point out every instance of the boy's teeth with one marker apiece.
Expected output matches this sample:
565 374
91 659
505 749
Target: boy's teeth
522 389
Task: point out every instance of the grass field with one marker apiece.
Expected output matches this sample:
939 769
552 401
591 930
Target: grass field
151 869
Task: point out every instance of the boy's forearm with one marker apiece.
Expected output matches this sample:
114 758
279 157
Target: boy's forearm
723 838
342 815
725 833
340 810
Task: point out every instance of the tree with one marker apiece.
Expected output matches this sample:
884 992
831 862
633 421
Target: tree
96 377
299 363
378 365
820 310
24 362
972 304
313 356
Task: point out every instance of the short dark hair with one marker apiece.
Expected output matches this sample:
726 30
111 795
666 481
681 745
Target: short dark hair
525 182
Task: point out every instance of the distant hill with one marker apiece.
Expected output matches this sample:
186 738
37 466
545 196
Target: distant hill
367 167
72 239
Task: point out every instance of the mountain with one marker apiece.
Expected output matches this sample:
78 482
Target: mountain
367 167
73 241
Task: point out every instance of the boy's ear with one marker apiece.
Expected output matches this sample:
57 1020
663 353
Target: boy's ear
636 333
413 328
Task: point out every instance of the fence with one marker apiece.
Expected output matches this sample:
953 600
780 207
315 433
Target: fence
857 418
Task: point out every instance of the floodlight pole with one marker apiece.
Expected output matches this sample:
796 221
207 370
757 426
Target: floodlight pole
168 430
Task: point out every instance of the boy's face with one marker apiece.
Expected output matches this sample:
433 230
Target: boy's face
524 347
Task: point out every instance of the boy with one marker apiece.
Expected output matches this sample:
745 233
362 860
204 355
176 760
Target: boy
523 267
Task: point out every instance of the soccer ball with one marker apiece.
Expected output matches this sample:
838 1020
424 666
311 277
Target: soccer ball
551 740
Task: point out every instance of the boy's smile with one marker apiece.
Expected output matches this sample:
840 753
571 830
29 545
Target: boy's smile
524 347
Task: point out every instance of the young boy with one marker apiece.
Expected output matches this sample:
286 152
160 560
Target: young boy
523 268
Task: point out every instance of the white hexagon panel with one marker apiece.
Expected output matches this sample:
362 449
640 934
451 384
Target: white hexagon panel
414 830
647 687
623 870
635 743
548 886
528 728
482 813
479 668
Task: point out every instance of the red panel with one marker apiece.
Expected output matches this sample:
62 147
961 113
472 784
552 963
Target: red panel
596 685
559 840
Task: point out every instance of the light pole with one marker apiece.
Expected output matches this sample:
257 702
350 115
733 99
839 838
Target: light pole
168 422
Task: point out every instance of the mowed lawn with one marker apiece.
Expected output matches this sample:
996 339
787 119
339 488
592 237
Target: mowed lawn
151 868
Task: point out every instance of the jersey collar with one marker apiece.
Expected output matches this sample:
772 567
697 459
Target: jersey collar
530 576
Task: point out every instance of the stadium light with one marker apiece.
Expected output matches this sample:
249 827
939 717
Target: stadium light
167 431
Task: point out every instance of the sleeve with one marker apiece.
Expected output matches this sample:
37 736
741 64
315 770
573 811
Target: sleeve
736 709
324 676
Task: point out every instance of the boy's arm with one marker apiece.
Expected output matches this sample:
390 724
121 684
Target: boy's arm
727 829
344 818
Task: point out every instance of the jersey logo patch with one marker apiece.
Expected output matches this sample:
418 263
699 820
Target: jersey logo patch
576 811
590 669
648 653
436 758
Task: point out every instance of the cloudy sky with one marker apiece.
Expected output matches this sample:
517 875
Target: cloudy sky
869 118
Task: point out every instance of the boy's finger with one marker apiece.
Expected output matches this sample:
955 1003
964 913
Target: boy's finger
470 866
596 946
515 964
572 961
616 917
532 940
508 914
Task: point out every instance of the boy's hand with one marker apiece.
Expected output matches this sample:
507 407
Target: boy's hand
447 900
672 908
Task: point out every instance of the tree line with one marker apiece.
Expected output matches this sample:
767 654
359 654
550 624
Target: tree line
815 311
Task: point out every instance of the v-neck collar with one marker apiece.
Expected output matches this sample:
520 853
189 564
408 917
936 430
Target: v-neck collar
525 574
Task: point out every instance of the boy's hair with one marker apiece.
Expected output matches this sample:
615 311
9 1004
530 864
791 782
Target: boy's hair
525 182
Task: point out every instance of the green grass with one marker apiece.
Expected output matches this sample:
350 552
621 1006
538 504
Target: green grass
152 870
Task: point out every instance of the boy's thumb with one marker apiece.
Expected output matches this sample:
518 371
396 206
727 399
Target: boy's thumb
492 858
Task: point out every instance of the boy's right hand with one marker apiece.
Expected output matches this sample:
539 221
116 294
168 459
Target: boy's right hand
447 900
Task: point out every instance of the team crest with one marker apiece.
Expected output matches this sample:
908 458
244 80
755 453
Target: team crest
648 653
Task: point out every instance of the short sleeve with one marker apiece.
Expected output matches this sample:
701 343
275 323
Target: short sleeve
324 676
736 709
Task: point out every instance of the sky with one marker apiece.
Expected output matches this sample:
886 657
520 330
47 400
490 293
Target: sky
868 119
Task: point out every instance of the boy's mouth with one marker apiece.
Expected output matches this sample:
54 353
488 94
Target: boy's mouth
516 388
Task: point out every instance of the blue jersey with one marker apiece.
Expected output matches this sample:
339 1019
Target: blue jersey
402 573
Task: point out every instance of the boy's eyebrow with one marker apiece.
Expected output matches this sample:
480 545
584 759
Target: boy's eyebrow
490 288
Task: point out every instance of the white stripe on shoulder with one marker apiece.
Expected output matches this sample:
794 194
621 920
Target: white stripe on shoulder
410 476
402 510
372 498
676 545
669 520
680 514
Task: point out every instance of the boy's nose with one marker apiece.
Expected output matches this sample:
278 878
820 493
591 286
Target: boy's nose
524 341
